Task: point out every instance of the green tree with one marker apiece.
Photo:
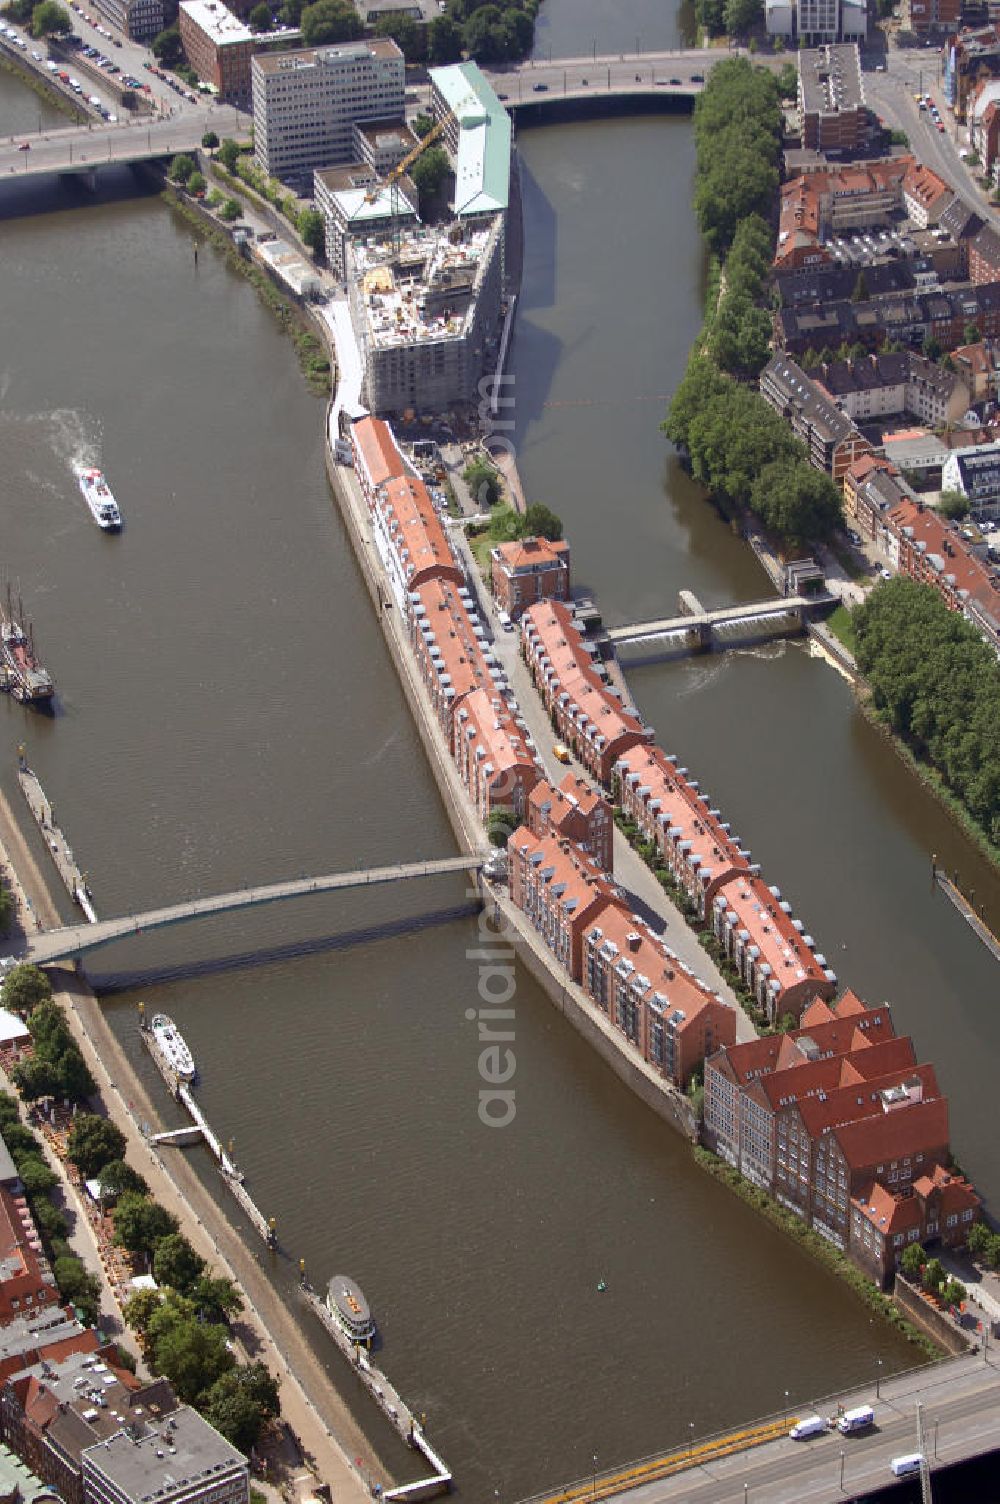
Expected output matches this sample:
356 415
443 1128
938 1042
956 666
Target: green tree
429 173
49 1220
140 1223
35 1079
260 18
859 293
500 826
241 1402
78 1286
181 168
971 335
175 1263
291 12
953 504
409 35
912 1261
231 209
444 41
328 21
8 906
196 183
313 230
740 16
229 154
116 1177
76 1084
93 1143
210 141
24 988
192 1354
216 1299
953 1292
167 47
541 522
37 1177
50 20
934 1276
140 1308
931 348
979 1240
483 482
422 125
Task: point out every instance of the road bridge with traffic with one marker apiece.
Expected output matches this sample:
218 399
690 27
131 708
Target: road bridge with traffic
948 1411
74 940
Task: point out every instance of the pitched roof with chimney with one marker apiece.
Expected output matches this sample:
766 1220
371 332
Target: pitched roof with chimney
573 882
637 952
917 1128
681 810
783 952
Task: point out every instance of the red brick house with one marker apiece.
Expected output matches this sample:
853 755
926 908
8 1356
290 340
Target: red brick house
577 812
529 570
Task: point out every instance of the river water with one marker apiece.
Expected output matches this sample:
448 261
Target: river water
227 713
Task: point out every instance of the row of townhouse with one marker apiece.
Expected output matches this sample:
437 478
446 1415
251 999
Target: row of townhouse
478 716
662 1010
908 318
588 714
918 542
839 1123
775 957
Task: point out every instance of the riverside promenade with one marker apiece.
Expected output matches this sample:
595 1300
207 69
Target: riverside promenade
332 1443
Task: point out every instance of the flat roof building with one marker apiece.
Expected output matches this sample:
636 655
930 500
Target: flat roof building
356 207
831 97
305 103
219 46
426 307
138 19
179 1459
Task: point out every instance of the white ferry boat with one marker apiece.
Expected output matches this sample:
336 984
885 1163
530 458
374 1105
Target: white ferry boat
346 1302
97 495
172 1047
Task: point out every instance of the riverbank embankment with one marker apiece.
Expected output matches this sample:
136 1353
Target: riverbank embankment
311 1403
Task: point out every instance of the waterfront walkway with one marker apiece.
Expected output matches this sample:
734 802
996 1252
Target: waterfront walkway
74 939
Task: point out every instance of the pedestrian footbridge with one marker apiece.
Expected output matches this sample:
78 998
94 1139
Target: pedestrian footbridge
76 939
702 631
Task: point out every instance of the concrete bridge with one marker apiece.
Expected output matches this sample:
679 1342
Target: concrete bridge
82 150
948 1411
700 631
76 939
643 76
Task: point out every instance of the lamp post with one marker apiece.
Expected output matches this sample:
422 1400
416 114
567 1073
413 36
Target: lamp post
786 1408
843 1456
936 1424
691 1433
595 1475
878 1378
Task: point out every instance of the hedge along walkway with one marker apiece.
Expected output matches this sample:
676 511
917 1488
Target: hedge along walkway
313 350
832 1258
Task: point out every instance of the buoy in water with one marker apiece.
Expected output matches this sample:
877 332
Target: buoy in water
601 1286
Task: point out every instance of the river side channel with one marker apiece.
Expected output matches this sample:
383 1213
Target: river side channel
220 672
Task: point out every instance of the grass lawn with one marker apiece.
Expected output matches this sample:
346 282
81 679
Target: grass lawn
481 543
842 627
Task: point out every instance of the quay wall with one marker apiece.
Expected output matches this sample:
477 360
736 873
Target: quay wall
660 1095
935 1324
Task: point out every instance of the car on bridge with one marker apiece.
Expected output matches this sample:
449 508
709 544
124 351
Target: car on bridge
540 88
24 146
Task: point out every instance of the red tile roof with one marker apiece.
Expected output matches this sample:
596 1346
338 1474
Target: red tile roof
917 1129
376 449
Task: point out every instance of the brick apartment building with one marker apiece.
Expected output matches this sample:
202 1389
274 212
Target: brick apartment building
219 47
832 440
589 716
529 570
668 1015
577 812
560 890
670 810
445 634
410 537
774 956
823 1115
494 755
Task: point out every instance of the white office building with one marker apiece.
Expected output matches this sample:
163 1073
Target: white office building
306 103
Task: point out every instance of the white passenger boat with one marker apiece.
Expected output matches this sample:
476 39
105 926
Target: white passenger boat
346 1302
97 495
172 1047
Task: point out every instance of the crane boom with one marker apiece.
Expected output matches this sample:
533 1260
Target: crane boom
403 166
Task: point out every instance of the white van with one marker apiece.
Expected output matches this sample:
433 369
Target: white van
902 1466
856 1420
809 1425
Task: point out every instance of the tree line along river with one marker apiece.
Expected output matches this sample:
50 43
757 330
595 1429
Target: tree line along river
228 713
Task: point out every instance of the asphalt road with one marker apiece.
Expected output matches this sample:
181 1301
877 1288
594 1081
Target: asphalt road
75 146
961 1418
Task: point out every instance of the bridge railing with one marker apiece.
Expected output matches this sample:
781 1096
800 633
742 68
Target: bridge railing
824 1404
